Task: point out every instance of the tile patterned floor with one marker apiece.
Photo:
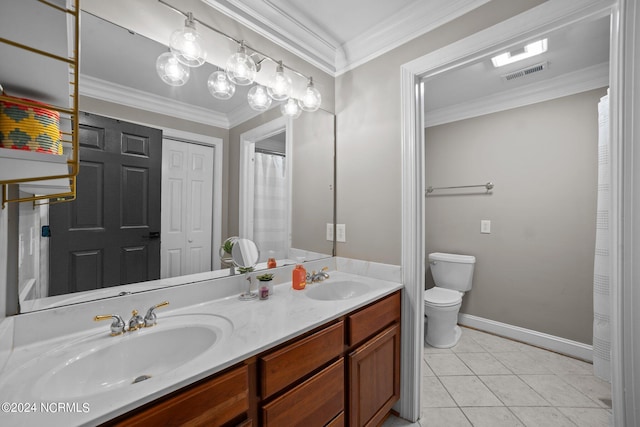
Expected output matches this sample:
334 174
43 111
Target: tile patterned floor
491 381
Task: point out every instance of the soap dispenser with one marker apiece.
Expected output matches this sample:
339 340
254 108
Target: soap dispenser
299 276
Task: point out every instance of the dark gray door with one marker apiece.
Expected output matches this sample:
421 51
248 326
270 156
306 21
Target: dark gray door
110 235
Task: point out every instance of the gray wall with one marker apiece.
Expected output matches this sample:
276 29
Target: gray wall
369 150
535 269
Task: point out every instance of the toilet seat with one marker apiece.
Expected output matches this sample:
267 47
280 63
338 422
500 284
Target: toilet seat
441 297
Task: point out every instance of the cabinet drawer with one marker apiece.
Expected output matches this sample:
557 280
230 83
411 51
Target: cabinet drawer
373 319
337 421
213 402
315 402
287 365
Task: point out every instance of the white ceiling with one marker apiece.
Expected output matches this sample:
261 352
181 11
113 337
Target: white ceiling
335 35
577 59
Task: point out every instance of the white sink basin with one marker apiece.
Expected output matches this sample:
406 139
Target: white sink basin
102 363
337 290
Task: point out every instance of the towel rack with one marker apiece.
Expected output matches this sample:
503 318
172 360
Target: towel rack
488 186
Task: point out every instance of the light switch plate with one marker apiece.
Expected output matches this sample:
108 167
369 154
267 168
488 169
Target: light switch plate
329 231
341 233
485 226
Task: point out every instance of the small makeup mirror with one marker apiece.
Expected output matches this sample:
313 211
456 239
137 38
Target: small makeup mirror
245 255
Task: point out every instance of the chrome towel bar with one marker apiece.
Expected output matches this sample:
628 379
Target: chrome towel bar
488 186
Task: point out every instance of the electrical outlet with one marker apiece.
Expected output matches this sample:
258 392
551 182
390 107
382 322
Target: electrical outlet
485 226
329 231
341 233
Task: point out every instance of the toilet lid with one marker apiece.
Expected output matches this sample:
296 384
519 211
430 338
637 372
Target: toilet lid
442 296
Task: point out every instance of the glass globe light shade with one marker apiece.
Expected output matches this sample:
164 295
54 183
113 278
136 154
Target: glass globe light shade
280 85
258 98
220 86
241 68
171 71
186 45
291 109
311 99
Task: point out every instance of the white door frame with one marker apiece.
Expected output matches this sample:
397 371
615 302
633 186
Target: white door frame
216 143
246 186
544 18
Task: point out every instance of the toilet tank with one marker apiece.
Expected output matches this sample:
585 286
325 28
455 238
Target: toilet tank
452 271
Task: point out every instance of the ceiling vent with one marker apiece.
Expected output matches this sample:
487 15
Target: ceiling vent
525 71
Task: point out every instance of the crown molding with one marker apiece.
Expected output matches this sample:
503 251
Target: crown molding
302 37
123 95
590 78
414 20
272 23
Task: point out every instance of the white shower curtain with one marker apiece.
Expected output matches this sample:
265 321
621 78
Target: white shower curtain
601 294
270 210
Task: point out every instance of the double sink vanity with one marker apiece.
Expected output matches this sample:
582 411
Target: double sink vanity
326 355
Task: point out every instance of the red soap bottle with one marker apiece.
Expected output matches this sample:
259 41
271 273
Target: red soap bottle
299 277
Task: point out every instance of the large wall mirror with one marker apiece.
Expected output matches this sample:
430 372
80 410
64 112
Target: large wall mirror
118 82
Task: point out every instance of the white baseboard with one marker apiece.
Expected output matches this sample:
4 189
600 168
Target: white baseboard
528 336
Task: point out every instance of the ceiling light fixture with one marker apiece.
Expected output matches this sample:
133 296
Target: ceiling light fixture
241 69
532 49
220 86
170 70
186 45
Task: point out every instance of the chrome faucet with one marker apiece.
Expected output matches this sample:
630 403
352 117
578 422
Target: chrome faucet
117 326
136 322
318 277
150 318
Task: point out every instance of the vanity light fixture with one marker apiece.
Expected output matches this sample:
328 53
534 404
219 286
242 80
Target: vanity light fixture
291 109
258 98
311 99
241 69
220 86
280 85
532 49
170 70
186 45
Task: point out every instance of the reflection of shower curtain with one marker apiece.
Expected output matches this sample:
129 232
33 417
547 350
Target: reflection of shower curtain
270 217
601 299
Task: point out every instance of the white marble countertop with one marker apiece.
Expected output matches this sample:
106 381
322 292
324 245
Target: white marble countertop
257 325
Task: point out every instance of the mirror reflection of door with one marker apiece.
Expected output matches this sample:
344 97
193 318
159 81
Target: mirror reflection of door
271 197
110 235
187 200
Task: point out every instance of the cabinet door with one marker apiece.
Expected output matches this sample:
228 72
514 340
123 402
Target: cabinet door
374 378
212 403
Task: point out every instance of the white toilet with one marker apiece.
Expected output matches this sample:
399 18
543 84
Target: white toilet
453 275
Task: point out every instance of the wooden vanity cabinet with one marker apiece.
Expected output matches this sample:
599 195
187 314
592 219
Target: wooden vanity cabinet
222 400
346 372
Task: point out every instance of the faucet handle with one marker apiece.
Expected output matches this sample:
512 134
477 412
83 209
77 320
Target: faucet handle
136 322
150 318
117 326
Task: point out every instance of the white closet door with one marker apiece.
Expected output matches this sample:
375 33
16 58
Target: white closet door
187 200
